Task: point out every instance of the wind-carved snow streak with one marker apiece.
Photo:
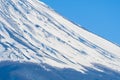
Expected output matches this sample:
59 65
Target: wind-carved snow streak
31 31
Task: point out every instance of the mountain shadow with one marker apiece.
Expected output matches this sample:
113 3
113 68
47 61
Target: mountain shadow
31 71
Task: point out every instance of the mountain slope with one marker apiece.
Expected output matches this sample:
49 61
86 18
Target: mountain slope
30 31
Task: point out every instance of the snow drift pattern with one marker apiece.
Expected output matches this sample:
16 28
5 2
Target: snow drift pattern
30 31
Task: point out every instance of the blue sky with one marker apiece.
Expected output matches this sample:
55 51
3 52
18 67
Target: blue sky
101 17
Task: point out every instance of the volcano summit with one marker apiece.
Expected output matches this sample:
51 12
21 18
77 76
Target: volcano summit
36 43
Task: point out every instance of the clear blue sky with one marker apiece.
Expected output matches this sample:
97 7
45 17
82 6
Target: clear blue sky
101 17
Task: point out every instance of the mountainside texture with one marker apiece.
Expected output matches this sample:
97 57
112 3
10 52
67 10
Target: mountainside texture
43 45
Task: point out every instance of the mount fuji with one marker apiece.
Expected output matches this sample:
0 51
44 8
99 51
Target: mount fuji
36 43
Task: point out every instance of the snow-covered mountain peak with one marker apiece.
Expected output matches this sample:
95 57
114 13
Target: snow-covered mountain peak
31 31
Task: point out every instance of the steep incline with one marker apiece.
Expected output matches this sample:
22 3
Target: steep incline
31 31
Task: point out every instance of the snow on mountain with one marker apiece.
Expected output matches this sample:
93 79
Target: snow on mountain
30 31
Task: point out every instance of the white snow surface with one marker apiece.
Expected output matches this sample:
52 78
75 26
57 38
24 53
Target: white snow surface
31 31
